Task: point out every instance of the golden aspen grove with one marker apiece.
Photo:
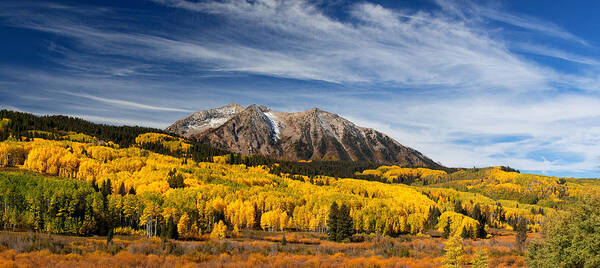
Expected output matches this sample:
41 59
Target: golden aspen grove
62 194
299 133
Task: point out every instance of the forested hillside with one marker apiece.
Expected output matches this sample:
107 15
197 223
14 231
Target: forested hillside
201 194
57 127
154 184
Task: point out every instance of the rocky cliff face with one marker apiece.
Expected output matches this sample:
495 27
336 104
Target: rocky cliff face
312 134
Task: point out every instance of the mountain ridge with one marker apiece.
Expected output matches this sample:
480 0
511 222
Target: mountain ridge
313 134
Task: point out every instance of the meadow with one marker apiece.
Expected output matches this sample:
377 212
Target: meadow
249 249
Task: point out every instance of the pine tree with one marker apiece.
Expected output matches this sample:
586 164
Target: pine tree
175 180
476 212
38 220
432 218
106 187
94 185
541 211
339 224
109 188
481 217
102 188
121 190
521 236
109 236
571 239
458 207
446 232
332 223
172 229
132 191
345 228
464 233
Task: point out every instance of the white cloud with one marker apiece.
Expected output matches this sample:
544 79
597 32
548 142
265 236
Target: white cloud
564 125
553 52
476 11
120 121
127 104
427 78
296 40
382 45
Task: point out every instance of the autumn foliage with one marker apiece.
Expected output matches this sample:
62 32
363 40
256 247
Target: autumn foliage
80 185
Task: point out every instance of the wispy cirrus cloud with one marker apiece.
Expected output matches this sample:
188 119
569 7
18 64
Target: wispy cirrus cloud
448 81
553 52
119 121
469 11
126 104
379 45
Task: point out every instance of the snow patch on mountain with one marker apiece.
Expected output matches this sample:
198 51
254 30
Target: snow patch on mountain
323 124
274 121
228 110
202 121
311 134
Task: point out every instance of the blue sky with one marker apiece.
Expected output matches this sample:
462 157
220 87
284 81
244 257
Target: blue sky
468 83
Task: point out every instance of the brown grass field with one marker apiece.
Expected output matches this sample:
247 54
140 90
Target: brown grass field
250 249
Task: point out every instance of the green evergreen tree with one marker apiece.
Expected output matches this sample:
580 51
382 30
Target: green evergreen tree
332 223
476 215
109 236
102 187
175 180
571 239
432 218
172 229
121 190
464 233
345 226
446 232
38 220
106 187
521 236
458 207
94 184
481 217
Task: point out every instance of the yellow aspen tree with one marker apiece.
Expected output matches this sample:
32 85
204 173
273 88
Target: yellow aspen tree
454 252
184 226
219 231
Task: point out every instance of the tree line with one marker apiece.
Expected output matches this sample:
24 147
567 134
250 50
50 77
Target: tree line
21 123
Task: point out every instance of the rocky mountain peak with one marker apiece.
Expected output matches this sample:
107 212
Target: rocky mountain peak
311 134
201 121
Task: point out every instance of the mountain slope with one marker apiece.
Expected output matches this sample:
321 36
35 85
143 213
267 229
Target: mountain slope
312 134
199 122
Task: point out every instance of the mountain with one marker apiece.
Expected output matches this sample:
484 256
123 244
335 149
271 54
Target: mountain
199 122
312 134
